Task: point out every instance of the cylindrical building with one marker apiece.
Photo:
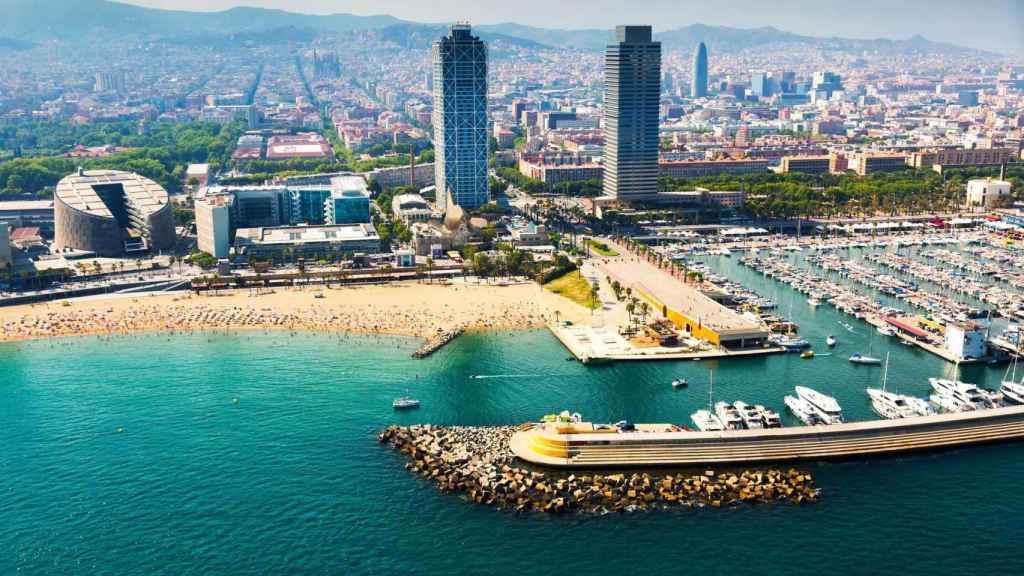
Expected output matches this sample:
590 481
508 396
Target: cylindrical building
111 213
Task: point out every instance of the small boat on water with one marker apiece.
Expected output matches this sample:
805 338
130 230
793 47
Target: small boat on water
886 330
802 410
405 403
813 302
831 340
807 354
680 383
858 358
826 407
790 343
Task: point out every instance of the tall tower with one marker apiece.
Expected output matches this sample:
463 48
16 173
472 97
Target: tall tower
632 73
460 119
699 75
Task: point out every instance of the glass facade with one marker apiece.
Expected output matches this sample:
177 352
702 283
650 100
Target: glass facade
460 118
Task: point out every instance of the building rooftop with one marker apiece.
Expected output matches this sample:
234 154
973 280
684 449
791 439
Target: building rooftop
25 205
300 234
78 191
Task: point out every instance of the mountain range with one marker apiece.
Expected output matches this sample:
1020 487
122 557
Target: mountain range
25 22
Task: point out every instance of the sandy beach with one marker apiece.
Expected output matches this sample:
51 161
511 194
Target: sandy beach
410 309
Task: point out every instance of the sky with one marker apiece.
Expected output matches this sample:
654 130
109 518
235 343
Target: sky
996 25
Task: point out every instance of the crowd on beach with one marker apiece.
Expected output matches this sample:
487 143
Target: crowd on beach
423 319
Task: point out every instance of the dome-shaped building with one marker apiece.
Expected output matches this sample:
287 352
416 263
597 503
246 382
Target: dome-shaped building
110 213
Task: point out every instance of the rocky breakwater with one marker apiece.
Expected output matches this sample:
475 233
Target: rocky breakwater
476 461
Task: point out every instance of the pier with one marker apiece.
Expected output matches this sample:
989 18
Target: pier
585 445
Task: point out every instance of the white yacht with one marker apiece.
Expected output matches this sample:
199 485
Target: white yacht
826 407
890 405
802 410
753 419
405 402
1012 390
729 416
706 421
770 417
813 302
831 340
957 396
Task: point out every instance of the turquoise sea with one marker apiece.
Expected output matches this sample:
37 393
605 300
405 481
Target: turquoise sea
256 453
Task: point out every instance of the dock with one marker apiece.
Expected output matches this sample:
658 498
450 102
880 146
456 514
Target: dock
583 445
592 345
436 342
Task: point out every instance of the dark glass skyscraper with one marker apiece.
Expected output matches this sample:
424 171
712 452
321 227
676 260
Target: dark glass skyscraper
460 119
699 76
632 75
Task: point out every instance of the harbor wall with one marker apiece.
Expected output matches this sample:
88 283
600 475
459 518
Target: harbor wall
841 441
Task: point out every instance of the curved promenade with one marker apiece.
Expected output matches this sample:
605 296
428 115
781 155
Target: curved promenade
584 446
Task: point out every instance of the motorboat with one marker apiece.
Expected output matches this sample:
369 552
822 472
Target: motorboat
405 403
770 417
790 343
706 421
831 340
950 403
959 396
753 419
826 407
680 383
807 354
728 416
813 302
886 330
802 410
858 358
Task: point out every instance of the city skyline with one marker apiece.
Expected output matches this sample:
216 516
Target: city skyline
992 25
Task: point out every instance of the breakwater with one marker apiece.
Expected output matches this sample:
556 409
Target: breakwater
477 462
437 341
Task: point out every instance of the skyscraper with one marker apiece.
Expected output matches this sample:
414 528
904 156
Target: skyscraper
699 75
632 72
460 119
759 84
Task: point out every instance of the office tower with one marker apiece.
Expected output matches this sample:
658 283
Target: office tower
826 82
699 75
460 119
759 85
349 202
632 72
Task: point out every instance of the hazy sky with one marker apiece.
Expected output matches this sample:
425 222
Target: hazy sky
989 24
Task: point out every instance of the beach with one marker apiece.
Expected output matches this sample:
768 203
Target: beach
408 309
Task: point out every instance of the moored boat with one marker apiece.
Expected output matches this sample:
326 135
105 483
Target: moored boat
802 410
404 403
826 407
858 358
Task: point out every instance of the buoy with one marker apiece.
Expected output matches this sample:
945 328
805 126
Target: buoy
120 429
234 400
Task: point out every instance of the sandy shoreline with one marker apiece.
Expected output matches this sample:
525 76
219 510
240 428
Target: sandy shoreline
407 309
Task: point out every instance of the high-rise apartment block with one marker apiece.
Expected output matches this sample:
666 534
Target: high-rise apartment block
460 119
632 70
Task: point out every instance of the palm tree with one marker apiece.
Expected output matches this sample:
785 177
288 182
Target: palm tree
593 298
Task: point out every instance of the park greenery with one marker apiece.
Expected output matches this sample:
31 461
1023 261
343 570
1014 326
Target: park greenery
162 153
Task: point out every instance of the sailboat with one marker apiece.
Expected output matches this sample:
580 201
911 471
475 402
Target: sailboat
1011 389
707 420
893 406
858 358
